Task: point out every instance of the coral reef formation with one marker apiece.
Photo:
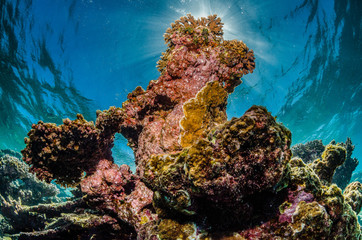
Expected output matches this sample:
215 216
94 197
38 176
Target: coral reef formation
65 152
332 157
116 190
17 183
198 175
353 196
197 54
313 150
236 159
20 187
68 220
308 151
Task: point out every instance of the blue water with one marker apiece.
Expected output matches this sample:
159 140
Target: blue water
62 57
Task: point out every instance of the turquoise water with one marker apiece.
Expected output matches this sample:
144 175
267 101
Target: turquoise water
59 58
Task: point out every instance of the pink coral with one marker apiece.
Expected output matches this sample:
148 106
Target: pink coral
115 189
197 54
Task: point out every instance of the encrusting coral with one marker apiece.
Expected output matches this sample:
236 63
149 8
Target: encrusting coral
353 196
238 158
65 152
198 175
116 190
332 157
313 150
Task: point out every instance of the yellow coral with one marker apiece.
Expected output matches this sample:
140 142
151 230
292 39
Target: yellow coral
171 230
203 112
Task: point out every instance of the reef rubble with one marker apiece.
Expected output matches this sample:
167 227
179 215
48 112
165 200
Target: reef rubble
199 175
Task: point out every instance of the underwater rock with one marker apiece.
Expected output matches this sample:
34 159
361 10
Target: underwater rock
16 182
198 175
308 151
116 190
313 150
29 218
305 209
353 196
69 220
344 172
65 152
196 55
19 187
332 157
236 159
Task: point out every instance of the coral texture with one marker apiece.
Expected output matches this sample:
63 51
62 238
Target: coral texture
353 196
198 175
17 183
65 152
241 157
332 157
116 190
313 150
68 220
197 54
343 173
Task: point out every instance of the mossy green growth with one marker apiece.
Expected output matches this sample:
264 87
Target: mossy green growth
333 156
301 175
219 162
353 196
331 196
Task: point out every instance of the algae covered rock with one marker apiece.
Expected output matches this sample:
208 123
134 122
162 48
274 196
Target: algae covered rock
343 173
238 158
113 189
63 153
308 151
332 157
313 150
353 196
